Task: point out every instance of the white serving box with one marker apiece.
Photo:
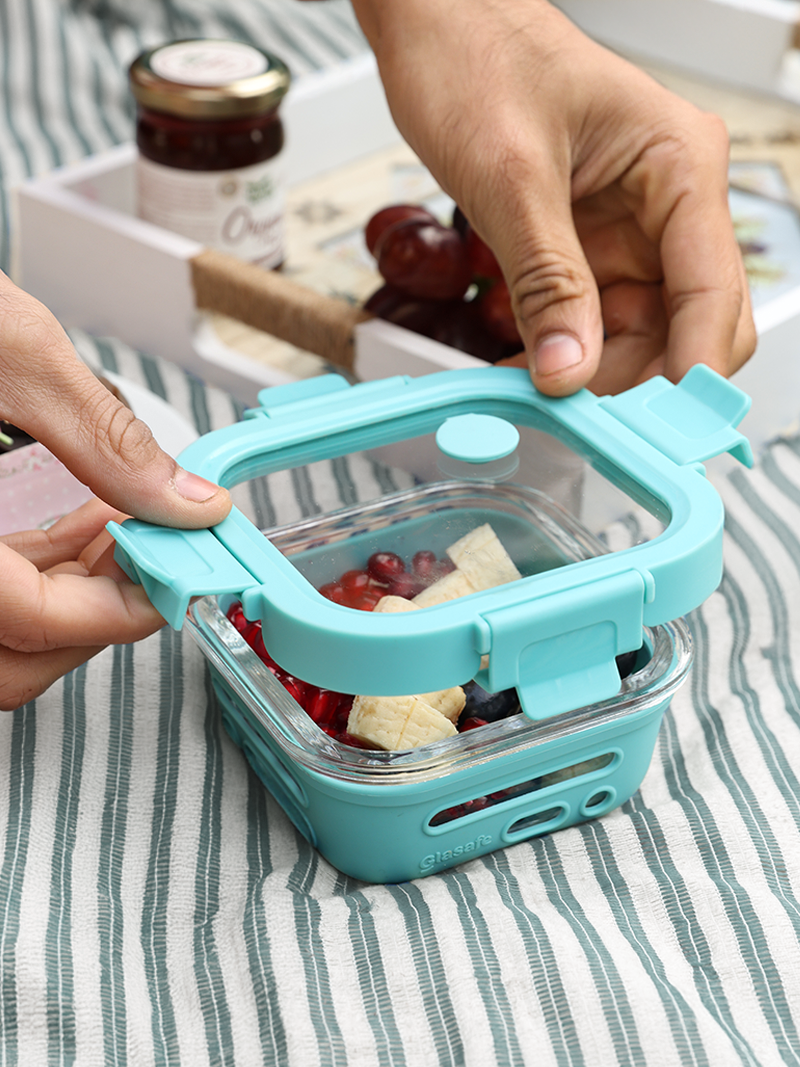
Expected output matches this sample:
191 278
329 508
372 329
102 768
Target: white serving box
84 254
747 43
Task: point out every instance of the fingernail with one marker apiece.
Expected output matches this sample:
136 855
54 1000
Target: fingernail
193 487
556 353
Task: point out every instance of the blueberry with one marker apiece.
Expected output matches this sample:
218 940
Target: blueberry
489 706
628 662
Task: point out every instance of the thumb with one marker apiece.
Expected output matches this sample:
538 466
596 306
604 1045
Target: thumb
46 390
553 291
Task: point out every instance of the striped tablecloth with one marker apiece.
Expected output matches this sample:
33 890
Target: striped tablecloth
158 908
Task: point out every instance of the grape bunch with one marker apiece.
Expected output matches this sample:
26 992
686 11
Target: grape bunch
441 281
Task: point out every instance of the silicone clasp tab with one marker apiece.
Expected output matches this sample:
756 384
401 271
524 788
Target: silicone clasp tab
689 422
176 565
560 650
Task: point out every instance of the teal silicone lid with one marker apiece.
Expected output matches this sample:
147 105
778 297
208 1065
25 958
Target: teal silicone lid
553 635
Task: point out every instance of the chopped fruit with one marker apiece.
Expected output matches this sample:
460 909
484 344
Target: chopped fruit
394 723
476 561
481 557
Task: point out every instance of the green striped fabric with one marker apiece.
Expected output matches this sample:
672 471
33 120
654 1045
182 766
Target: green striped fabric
158 908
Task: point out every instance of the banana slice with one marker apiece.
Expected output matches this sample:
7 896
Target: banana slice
396 723
453 585
448 702
394 603
480 556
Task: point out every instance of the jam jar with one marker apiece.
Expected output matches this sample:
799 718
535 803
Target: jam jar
209 137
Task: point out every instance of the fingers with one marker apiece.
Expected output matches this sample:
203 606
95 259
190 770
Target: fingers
682 189
50 393
62 599
66 539
555 299
636 334
64 608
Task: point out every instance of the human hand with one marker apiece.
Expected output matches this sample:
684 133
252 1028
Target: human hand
603 195
62 597
62 600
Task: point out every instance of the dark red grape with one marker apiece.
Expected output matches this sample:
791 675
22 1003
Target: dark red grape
482 259
423 563
424 259
460 222
498 315
385 301
388 216
383 566
405 585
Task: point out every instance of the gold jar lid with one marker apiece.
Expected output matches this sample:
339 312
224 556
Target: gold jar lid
209 79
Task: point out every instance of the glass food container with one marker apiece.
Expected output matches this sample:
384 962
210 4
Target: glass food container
209 137
541 553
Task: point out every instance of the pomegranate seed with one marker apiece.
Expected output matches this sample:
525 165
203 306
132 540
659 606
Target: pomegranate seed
332 591
367 601
322 705
472 722
236 617
294 687
354 581
383 566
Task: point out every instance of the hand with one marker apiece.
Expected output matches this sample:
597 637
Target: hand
603 195
62 597
62 600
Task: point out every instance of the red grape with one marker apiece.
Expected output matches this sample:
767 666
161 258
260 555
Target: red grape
383 566
497 313
460 222
482 259
406 585
423 562
388 216
424 259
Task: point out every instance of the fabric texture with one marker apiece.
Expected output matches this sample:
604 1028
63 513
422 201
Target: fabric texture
157 907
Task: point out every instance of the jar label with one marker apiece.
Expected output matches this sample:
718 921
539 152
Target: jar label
236 211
